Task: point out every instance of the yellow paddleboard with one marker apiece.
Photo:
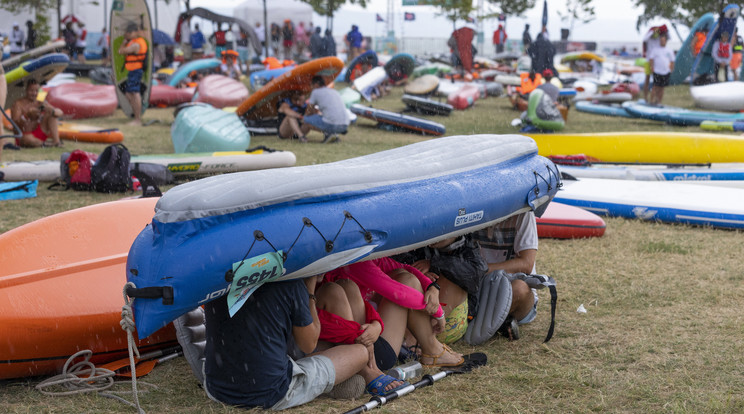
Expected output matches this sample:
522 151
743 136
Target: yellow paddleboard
645 147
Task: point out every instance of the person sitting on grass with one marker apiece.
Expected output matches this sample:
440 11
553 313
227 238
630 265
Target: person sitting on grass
37 120
247 362
291 112
403 303
347 318
330 116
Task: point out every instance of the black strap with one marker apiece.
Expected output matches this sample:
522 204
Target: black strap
553 305
155 292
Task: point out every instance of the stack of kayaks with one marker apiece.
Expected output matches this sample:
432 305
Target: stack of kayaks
398 121
65 294
221 91
201 128
402 199
83 100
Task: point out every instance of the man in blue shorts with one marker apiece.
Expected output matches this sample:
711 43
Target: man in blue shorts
135 51
326 111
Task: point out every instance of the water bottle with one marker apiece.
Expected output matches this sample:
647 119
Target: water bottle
407 371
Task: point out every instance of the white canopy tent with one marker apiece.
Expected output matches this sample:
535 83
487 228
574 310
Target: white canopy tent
252 11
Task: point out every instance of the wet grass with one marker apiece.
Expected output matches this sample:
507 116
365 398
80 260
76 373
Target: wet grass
661 332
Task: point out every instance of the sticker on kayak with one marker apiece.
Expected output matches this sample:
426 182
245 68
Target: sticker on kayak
250 274
463 219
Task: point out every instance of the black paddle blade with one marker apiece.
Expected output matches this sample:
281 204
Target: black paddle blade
474 360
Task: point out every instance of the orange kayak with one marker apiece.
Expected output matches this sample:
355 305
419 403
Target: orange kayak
61 284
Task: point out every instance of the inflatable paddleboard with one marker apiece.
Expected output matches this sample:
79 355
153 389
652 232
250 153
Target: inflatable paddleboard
221 91
203 128
61 288
724 96
722 125
562 221
199 65
370 80
166 95
400 66
181 165
40 70
51 47
645 147
324 216
262 103
677 116
606 97
602 109
723 175
399 121
83 100
657 201
124 13
685 59
427 106
367 58
89 133
262 77
422 85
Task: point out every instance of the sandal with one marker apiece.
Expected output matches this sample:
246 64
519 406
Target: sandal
377 386
435 359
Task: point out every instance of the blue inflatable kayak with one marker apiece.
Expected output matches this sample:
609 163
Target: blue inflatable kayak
685 58
704 63
262 77
369 57
399 121
195 65
602 109
320 217
677 116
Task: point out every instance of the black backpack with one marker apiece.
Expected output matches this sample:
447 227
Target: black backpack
110 173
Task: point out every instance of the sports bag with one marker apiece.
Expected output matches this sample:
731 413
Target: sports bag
110 173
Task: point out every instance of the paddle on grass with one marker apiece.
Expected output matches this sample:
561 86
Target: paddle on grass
473 360
144 364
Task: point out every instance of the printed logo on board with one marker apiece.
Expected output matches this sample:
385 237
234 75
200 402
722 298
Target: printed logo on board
464 219
185 167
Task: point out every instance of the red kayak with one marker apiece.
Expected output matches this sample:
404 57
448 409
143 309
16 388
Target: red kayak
83 100
561 221
465 97
162 96
221 91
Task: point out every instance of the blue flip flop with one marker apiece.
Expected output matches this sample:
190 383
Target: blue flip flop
377 385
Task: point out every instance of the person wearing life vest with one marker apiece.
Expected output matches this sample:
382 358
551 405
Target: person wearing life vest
738 50
698 41
135 51
722 53
230 66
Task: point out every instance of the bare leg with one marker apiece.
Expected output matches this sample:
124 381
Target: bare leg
51 129
396 318
522 299
135 101
289 127
30 141
347 360
645 87
451 294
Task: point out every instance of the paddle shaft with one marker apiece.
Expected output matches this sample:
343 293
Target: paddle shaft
382 400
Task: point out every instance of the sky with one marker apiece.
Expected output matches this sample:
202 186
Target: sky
615 20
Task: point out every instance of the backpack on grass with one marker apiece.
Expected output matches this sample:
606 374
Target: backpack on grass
110 173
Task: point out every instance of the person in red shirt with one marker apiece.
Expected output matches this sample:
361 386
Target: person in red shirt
499 39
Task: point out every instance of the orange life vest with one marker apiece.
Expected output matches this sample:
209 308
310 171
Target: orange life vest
699 42
529 85
134 61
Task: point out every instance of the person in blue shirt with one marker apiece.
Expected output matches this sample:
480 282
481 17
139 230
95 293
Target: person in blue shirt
247 362
197 43
354 42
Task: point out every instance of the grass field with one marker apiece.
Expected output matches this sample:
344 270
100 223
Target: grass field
661 333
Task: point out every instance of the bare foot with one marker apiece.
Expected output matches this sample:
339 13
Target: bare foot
135 123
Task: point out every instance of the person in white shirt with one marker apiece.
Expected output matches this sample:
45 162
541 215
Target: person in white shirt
722 53
80 43
186 38
17 40
661 60
651 42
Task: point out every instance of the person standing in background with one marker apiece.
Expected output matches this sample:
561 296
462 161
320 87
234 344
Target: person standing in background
499 39
17 40
185 40
261 34
287 38
354 42
736 58
329 45
650 42
316 44
197 43
722 52
31 35
300 39
661 60
80 42
103 43
526 38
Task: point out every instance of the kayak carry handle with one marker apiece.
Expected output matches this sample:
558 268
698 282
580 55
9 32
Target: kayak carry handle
154 292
